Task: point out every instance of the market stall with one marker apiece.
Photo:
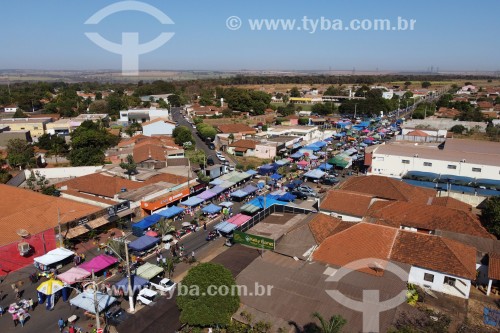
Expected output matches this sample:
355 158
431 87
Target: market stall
149 271
73 275
53 258
136 282
99 263
86 301
143 244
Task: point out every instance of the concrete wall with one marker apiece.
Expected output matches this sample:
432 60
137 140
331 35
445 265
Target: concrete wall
343 217
158 128
69 172
463 285
264 151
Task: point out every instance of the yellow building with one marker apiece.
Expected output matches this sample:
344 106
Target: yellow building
36 126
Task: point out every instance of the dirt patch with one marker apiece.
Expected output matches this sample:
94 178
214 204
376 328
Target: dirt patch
475 314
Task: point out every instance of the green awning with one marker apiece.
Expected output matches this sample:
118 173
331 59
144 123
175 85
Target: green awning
148 271
249 208
339 161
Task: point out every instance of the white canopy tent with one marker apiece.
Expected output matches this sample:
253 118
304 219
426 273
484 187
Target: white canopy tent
85 301
54 256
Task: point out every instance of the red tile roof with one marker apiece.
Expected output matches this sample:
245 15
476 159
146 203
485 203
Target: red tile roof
494 266
236 128
451 203
435 253
247 144
361 241
387 188
323 226
346 202
35 212
380 244
99 184
430 217
417 133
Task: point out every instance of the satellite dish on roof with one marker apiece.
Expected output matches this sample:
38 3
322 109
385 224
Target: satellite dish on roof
22 232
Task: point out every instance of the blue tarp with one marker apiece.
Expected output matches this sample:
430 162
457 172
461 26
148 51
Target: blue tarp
287 197
329 139
297 155
211 209
312 147
249 189
320 144
143 243
218 189
137 283
171 211
276 176
217 181
225 227
239 194
282 162
340 134
251 172
193 201
293 184
146 222
313 157
316 174
266 169
325 166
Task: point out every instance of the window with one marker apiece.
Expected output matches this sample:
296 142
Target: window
476 169
405 161
35 127
451 166
429 164
449 281
429 277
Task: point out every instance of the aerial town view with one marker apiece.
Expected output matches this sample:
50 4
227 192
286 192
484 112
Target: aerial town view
249 166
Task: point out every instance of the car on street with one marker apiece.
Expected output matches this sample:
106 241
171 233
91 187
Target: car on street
147 296
231 167
211 146
299 195
210 161
307 191
163 284
329 181
116 315
221 158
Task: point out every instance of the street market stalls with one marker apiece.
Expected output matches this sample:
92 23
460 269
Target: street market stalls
149 271
53 259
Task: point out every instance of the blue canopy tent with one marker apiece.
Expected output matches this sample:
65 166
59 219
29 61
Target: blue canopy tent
421 175
312 147
143 243
287 197
315 174
211 209
239 194
217 189
251 172
193 201
137 284
328 139
282 162
313 157
297 155
325 166
139 227
171 212
225 227
320 144
460 180
267 169
339 135
249 189
276 176
216 181
294 183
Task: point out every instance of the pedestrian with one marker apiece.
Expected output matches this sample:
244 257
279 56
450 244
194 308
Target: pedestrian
1 311
60 324
15 318
31 304
71 329
204 228
17 292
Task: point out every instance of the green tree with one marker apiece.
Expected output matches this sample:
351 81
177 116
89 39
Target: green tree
200 309
490 215
426 84
129 166
294 92
174 100
20 153
407 84
206 131
99 106
19 114
196 157
458 129
182 134
334 325
132 128
202 178
54 145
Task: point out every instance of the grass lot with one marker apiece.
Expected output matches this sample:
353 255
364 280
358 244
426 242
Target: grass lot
251 162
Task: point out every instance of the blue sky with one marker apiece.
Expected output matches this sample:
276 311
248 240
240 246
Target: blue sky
452 35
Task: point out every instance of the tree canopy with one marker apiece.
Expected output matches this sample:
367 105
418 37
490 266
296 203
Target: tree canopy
197 302
182 134
206 131
129 166
20 153
490 215
88 143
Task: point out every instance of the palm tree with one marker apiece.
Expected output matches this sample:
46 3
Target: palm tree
334 325
165 226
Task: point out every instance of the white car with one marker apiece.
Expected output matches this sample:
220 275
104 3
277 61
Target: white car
222 158
147 296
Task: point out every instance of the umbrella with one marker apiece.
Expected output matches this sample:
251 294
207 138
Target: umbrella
50 287
152 233
186 224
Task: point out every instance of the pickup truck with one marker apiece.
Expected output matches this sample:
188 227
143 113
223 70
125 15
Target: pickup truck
163 284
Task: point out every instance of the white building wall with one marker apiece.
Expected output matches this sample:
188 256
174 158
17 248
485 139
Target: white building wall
70 172
10 109
264 151
158 128
343 217
392 165
417 277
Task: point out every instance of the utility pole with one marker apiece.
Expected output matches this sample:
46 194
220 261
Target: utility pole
96 303
129 278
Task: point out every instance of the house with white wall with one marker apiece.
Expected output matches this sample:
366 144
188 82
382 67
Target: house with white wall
429 261
12 108
142 115
158 126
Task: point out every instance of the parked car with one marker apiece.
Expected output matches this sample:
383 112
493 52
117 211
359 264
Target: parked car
211 146
307 191
299 195
210 161
329 181
116 315
304 188
222 158
163 284
147 296
231 167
